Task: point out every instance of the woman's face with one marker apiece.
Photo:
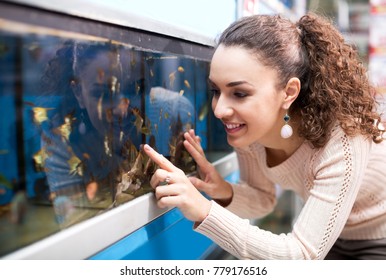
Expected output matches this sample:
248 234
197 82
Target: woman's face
101 85
246 98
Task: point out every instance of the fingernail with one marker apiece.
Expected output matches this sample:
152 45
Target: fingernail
147 147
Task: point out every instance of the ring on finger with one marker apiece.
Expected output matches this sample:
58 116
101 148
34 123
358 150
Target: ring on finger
166 181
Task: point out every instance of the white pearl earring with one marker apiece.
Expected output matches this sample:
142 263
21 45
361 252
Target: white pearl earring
286 131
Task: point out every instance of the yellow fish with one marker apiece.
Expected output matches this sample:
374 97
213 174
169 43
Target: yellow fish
186 83
138 123
75 165
65 129
40 114
146 128
40 158
204 111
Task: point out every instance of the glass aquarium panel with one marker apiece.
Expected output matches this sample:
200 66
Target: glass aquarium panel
75 111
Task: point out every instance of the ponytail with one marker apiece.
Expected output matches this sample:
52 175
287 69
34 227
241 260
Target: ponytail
335 87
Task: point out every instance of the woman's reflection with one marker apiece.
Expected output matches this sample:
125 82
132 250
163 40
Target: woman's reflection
88 136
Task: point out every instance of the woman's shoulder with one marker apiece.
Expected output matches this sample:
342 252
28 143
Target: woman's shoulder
342 147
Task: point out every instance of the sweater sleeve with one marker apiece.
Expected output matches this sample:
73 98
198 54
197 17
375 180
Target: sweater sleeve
336 172
255 195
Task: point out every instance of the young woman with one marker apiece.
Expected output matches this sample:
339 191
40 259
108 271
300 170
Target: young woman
299 111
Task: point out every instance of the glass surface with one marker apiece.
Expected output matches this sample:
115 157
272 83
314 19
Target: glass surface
75 111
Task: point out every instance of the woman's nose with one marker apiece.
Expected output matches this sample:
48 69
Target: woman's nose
221 108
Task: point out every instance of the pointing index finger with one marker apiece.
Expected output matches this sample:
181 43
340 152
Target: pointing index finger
158 158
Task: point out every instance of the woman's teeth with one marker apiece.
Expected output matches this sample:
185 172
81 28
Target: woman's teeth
232 126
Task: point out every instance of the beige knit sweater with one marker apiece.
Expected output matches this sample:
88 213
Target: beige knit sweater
343 186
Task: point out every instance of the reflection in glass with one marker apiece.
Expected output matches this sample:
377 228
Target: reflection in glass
74 115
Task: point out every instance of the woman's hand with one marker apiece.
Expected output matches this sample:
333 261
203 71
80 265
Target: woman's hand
211 181
174 189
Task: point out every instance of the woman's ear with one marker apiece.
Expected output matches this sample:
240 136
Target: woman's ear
292 90
77 91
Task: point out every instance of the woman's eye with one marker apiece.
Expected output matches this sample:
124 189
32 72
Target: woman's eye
215 91
240 94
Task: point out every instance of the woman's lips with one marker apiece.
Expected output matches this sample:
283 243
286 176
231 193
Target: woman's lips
233 128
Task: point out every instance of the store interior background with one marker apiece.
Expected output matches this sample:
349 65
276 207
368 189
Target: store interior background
361 21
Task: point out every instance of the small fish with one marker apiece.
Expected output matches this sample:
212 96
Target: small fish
151 73
109 115
156 128
40 158
182 92
106 143
172 149
138 122
114 84
130 180
204 111
66 128
181 69
86 156
146 128
186 83
75 165
133 153
100 106
40 114
172 78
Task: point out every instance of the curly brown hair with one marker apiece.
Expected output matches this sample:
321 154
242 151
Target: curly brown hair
334 84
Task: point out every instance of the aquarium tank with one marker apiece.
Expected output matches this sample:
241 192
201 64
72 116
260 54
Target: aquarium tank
76 110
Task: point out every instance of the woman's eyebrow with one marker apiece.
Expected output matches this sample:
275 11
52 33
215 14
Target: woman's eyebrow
236 83
230 84
211 82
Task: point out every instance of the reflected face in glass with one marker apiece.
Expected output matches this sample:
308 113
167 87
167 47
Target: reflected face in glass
245 97
100 93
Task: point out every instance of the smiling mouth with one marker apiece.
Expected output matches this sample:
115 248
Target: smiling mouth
232 128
